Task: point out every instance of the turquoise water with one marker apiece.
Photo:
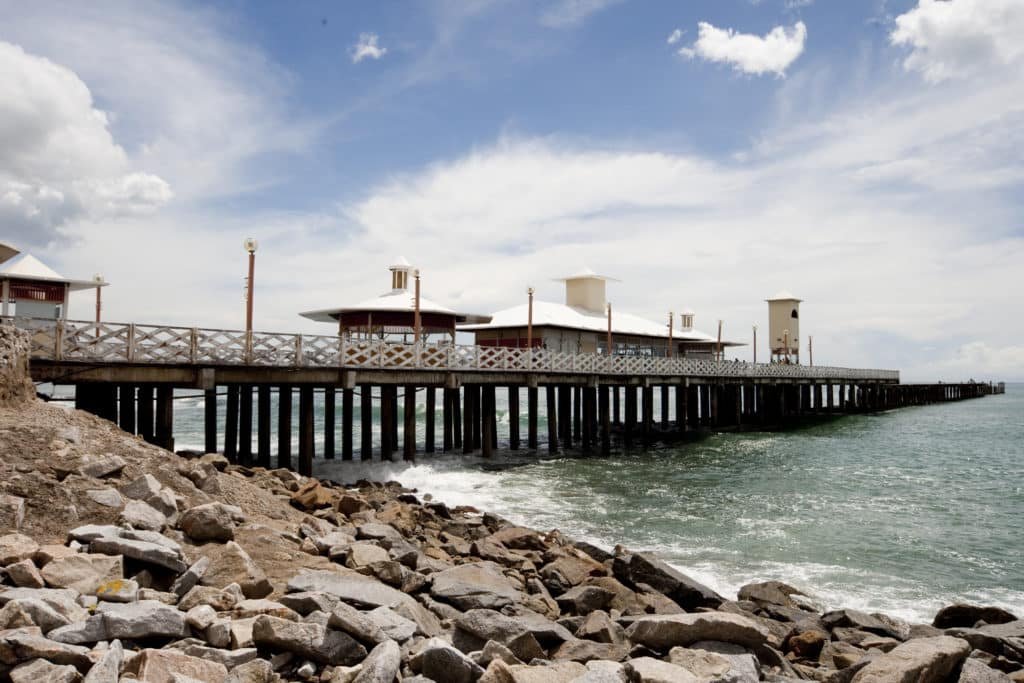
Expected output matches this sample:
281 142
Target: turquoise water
901 511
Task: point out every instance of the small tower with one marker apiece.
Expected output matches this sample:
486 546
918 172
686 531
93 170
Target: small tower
586 290
687 320
784 327
400 274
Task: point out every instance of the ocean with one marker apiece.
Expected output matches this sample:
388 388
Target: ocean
900 512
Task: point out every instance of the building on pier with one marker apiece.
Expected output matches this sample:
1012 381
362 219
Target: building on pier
581 325
784 327
392 315
31 289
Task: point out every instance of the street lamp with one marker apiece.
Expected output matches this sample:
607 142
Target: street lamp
755 343
250 244
608 342
529 318
416 317
671 320
98 280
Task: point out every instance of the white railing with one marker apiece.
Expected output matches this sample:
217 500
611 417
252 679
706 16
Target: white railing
76 340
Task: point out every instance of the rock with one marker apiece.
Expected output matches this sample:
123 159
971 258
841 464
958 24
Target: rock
478 585
12 515
647 569
102 466
583 651
962 615
30 612
16 547
360 554
439 661
925 660
25 574
131 621
560 672
852 618
975 671
256 607
256 671
108 668
394 625
484 625
712 666
602 672
664 631
23 645
840 655
118 590
83 572
650 670
144 551
304 603
350 587
772 592
200 617
229 658
42 671
211 522
807 644
61 600
140 515
162 666
567 571
190 577
518 538
106 497
357 624
311 641
234 565
583 600
599 627
382 664
348 504
312 496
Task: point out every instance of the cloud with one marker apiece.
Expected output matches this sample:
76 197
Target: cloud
675 37
367 48
960 38
58 159
751 54
563 13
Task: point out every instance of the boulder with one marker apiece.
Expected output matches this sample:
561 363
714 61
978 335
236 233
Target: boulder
62 600
31 612
211 522
190 577
478 585
25 574
807 644
583 651
233 565
362 553
149 552
131 621
106 497
583 600
83 572
976 671
12 514
308 640
42 671
924 660
312 496
559 672
640 568
256 671
229 658
650 670
439 661
21 645
118 590
713 666
771 592
108 668
665 631
599 627
393 624
518 538
362 627
962 615
851 618
165 666
381 665
304 603
102 466
482 625
15 548
351 587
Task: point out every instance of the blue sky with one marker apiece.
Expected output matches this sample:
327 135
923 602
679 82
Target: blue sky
864 154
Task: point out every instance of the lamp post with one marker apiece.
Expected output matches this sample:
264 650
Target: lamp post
416 317
810 350
719 340
785 344
98 279
608 339
755 344
250 244
529 318
671 320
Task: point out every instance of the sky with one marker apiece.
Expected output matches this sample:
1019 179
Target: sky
867 155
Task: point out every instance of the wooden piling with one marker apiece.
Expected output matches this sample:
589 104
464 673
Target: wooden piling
245 425
284 426
448 425
347 398
647 417
366 422
430 396
126 408
577 415
664 407
330 406
387 418
467 419
604 419
165 416
513 418
616 415
487 414
629 423
552 418
307 430
231 425
145 412
409 423
263 425
531 418
565 414
210 420
456 420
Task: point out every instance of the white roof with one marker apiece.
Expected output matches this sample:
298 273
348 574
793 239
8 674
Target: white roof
687 311
547 314
585 274
400 262
7 251
784 295
27 267
397 300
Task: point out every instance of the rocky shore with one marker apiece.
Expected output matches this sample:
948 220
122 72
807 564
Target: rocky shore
121 561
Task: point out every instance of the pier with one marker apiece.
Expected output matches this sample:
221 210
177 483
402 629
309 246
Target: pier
127 373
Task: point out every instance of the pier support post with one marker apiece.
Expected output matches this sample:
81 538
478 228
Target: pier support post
393 397
430 395
565 414
307 430
231 425
366 422
347 397
210 420
330 407
577 413
629 425
647 410
126 408
616 415
714 392
531 418
387 418
552 418
447 419
586 434
513 418
477 417
456 420
409 423
693 406
145 412
605 419
467 419
737 398
680 409
165 417
263 425
245 426
284 426
487 422
664 407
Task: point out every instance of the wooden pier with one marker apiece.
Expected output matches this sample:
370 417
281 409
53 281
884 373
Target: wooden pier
127 373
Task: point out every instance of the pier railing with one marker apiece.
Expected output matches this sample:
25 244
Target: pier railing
105 342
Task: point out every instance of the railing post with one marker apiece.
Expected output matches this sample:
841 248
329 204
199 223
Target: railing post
248 347
193 346
380 352
130 351
298 350
418 351
58 341
476 357
341 352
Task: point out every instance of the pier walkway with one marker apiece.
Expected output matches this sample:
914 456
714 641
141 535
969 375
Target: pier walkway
127 373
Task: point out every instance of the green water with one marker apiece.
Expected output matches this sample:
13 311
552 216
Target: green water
900 511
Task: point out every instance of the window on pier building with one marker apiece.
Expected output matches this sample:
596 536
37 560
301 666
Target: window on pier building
794 314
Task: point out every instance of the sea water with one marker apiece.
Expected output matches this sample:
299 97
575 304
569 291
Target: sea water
901 511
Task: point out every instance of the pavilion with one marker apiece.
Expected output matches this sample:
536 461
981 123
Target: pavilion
580 325
392 315
31 289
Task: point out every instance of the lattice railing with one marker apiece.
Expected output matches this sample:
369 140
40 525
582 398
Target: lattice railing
131 343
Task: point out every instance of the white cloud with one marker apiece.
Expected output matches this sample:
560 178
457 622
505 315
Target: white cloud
562 13
960 38
58 159
675 37
367 48
772 53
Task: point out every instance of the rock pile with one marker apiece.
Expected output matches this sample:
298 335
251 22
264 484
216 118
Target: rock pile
403 589
15 383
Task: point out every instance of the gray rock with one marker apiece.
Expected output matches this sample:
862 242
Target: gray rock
16 547
31 612
478 585
25 574
583 600
599 627
83 572
200 617
140 515
304 603
603 672
311 641
131 621
664 631
724 668
118 590
394 625
229 658
22 645
211 522
234 565
640 568
12 513
353 588
174 666
771 592
483 625
924 660
190 577
108 668
438 660
962 615
650 670
103 466
256 671
61 600
143 551
42 671
106 497
851 618
382 664
357 624
584 651
975 671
